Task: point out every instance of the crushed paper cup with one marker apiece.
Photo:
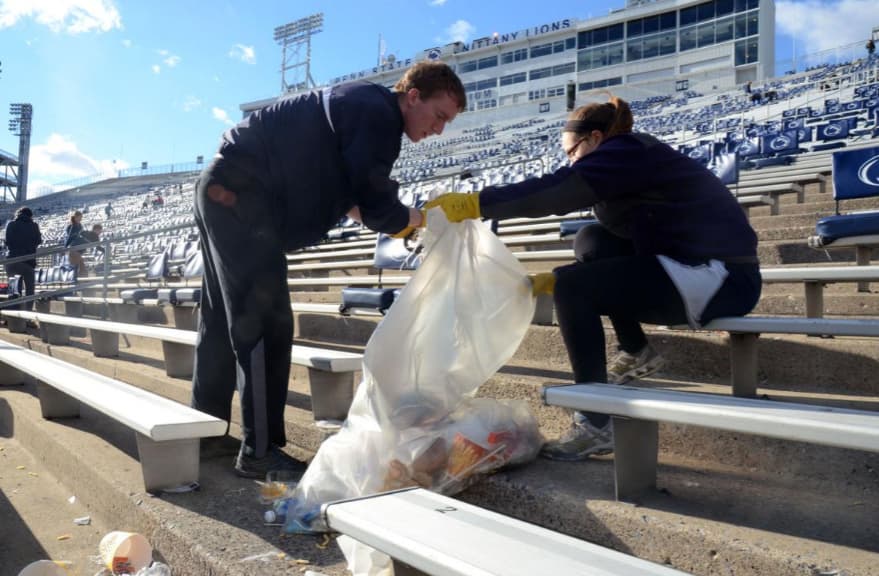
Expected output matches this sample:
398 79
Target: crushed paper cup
125 552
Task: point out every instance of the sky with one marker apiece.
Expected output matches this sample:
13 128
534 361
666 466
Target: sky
114 83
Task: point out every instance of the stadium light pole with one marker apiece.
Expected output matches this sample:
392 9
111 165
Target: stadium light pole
292 37
20 125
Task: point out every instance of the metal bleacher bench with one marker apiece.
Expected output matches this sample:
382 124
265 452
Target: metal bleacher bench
815 277
744 332
330 372
427 533
636 413
167 432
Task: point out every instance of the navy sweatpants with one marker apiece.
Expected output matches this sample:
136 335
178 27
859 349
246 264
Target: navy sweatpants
245 325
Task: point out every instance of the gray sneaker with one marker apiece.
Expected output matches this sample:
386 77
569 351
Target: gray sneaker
579 442
275 459
624 366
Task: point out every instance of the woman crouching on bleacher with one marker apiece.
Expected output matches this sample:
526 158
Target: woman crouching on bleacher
670 246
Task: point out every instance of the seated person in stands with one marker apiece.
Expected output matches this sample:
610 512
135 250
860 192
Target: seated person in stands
94 235
671 246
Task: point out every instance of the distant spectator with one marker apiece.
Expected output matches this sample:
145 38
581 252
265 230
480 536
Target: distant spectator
158 201
146 204
871 47
108 210
22 238
73 237
748 87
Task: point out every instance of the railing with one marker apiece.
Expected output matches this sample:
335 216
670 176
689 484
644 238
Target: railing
99 281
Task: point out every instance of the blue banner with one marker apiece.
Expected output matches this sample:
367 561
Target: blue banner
726 167
856 173
701 153
749 147
833 130
804 134
780 143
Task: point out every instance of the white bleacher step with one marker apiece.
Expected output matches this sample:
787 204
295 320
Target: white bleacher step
342 253
637 411
441 536
828 274
804 326
814 278
319 308
744 334
386 279
330 372
167 432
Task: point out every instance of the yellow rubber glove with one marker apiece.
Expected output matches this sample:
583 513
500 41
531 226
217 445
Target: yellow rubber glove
542 283
457 205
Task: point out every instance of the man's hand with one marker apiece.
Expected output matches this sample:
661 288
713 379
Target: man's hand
458 206
542 283
417 219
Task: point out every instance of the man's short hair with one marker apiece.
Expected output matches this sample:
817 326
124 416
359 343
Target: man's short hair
24 211
430 78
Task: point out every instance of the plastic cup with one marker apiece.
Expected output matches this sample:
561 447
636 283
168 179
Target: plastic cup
125 552
43 568
278 484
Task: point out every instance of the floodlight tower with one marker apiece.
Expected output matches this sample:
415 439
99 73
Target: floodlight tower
292 37
20 125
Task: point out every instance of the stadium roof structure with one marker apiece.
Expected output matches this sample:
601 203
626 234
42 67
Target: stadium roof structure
7 159
8 177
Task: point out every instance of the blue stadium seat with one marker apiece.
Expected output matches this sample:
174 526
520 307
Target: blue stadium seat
390 254
157 270
855 175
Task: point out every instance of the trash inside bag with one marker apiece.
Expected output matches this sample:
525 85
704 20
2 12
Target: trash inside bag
414 420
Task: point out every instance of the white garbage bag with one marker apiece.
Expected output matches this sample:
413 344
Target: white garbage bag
414 421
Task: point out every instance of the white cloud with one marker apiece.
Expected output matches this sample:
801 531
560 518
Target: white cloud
222 116
191 103
71 16
168 59
823 25
437 2
59 159
127 43
244 53
459 31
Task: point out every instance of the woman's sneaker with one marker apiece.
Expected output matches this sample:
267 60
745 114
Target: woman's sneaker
580 441
624 366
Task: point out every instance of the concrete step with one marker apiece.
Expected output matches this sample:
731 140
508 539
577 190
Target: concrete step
721 511
217 530
38 513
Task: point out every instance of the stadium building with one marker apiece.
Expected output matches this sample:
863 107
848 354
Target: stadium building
650 47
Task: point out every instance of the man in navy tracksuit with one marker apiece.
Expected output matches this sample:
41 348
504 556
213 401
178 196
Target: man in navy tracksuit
670 246
280 180
22 238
